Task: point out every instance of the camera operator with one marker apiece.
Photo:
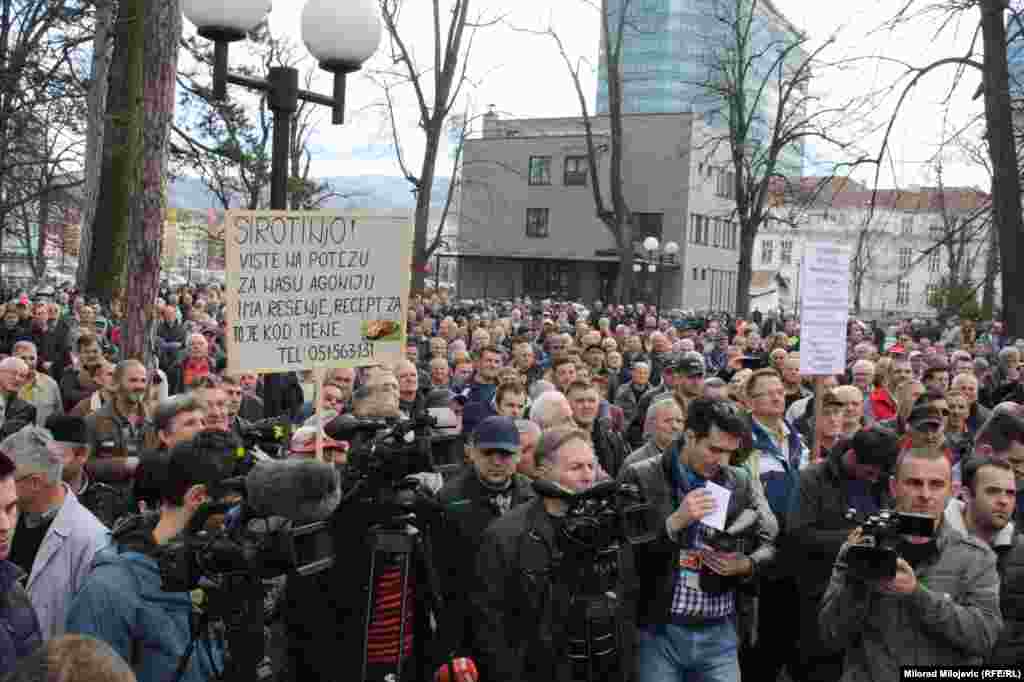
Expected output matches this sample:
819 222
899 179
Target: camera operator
175 420
942 605
121 602
513 591
475 497
685 590
852 476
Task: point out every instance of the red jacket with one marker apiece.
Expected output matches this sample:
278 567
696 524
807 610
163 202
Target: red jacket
883 406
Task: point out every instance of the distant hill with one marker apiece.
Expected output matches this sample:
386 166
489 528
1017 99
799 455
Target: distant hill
370 191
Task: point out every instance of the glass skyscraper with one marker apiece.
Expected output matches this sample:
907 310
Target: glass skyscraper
673 49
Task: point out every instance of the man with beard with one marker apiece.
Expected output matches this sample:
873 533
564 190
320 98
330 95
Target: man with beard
476 496
116 432
991 493
103 376
941 608
79 383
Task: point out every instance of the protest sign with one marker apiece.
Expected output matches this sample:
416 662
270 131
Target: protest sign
824 308
309 289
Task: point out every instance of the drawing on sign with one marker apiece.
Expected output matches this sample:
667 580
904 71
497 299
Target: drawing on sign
315 288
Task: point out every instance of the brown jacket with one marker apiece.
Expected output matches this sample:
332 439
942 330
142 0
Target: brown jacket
113 439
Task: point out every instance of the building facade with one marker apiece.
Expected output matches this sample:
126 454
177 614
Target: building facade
528 224
900 237
671 50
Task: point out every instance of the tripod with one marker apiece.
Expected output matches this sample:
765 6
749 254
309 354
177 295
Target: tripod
238 605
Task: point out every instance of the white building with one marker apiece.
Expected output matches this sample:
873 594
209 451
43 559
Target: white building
900 236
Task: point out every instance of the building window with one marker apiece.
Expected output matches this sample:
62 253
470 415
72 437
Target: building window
936 233
703 274
905 257
540 170
929 294
725 184
786 252
907 225
699 228
716 235
537 222
767 252
695 274
934 259
575 171
902 292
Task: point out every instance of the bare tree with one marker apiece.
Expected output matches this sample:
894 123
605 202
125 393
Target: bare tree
992 65
437 83
751 67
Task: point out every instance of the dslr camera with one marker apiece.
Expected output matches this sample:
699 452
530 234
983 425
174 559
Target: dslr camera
874 558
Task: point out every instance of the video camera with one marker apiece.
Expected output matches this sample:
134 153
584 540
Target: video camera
874 558
270 436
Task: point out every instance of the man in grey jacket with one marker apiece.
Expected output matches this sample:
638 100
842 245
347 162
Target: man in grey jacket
942 605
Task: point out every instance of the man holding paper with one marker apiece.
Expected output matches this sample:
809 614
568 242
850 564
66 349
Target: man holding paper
716 531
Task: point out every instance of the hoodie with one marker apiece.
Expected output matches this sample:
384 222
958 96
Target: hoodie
123 605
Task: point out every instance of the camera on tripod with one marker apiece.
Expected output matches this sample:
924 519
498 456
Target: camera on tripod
874 557
270 436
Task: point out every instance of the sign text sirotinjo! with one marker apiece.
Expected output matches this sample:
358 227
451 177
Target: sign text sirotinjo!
315 288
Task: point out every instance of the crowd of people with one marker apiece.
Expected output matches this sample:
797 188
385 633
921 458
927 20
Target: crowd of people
104 461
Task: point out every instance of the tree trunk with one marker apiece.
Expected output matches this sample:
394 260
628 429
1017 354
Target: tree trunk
43 221
422 216
745 270
97 104
1002 150
120 181
145 244
988 297
624 290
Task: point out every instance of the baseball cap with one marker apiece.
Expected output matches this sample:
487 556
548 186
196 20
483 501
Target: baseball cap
304 440
31 448
67 429
688 366
497 433
922 416
876 445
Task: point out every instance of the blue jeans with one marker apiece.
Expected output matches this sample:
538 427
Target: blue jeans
691 653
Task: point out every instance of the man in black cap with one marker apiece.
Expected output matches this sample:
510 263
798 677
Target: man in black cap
475 497
853 476
71 438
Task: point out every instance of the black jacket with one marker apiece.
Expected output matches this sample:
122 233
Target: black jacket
1009 650
816 523
519 607
656 563
17 415
468 509
609 446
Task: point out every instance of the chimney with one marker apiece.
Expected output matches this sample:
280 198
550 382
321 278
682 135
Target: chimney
491 123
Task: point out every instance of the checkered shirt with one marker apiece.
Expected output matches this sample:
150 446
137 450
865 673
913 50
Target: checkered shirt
695 603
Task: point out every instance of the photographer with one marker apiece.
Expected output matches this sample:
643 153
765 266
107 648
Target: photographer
851 477
942 605
513 593
122 602
685 589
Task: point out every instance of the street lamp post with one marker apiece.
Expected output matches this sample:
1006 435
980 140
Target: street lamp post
658 256
340 35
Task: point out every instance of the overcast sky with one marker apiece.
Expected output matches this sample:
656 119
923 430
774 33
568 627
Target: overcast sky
522 75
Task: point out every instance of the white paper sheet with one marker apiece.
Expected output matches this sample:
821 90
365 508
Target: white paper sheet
716 519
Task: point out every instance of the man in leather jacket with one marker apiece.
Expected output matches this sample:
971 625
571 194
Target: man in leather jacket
514 596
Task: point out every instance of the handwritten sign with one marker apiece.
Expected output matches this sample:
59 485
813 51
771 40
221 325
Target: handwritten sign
824 308
309 289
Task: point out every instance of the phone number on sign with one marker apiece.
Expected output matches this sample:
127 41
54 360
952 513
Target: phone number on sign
339 351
